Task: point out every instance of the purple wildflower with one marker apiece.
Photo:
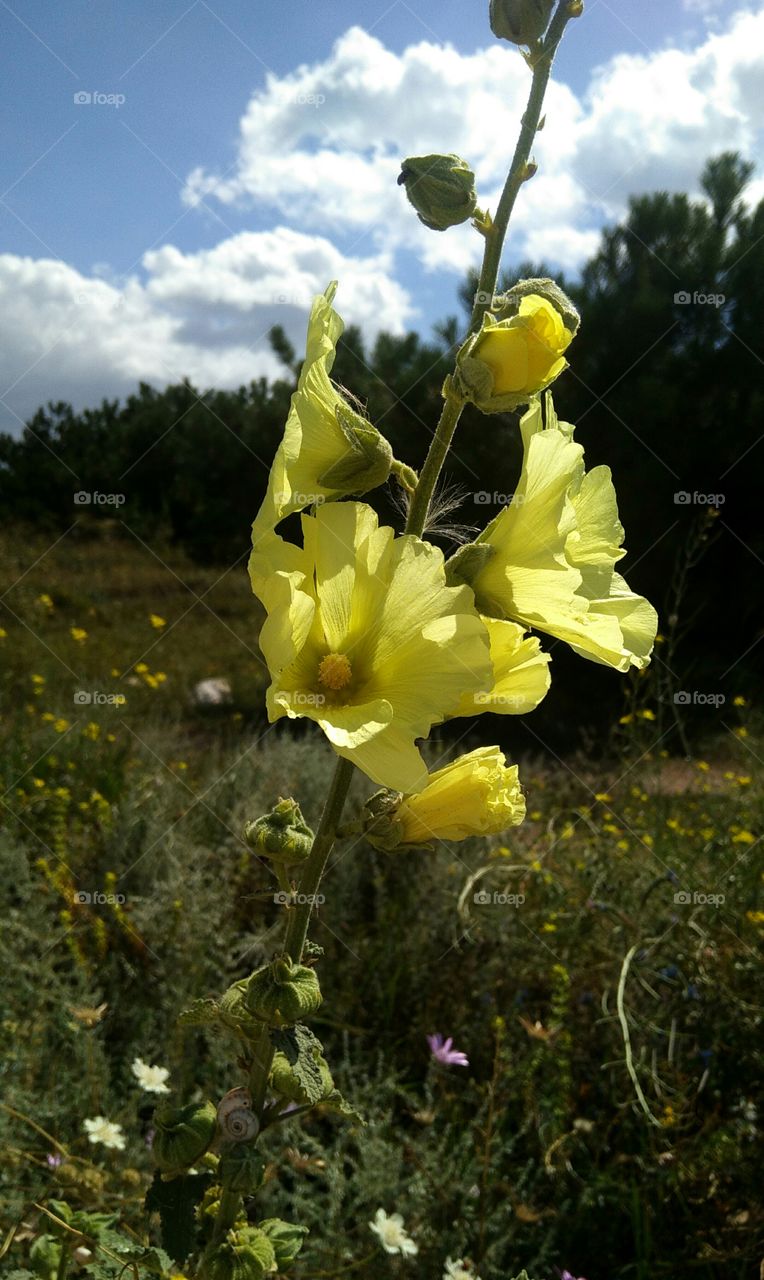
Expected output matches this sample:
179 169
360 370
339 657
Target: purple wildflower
54 1160
442 1051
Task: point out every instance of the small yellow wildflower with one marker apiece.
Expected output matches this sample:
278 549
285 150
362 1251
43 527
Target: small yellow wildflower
647 714
92 731
61 725
755 917
622 844
626 719
140 668
157 622
604 797
38 782
743 780
110 737
160 677
45 600
739 701
48 716
744 837
3 633
741 731
549 927
79 634
38 680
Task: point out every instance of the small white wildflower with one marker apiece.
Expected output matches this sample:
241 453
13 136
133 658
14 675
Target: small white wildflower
392 1235
99 1129
152 1079
458 1270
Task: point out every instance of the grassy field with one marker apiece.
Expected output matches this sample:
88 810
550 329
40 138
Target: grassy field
598 968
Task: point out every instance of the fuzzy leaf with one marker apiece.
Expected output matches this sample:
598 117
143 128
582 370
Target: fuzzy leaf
299 1046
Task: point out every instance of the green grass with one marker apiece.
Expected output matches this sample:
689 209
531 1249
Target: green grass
540 1154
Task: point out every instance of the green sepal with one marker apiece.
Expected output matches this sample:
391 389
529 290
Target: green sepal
334 1101
282 835
507 304
286 1238
281 993
466 563
441 188
246 1254
370 456
182 1135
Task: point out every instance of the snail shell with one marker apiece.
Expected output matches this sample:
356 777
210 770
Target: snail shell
237 1121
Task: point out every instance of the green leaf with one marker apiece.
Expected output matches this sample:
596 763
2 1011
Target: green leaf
335 1102
302 1051
175 1202
202 1013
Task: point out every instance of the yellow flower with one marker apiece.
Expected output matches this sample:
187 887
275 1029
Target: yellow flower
328 449
3 633
755 917
478 794
92 731
509 361
744 837
38 782
39 681
647 714
549 559
45 600
79 634
364 637
61 725
157 622
140 668
739 701
520 673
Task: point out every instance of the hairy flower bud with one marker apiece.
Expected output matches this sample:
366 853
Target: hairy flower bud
507 304
520 21
282 835
507 362
182 1135
246 1254
441 189
286 1239
282 993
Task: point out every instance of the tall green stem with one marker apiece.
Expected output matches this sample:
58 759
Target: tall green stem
495 233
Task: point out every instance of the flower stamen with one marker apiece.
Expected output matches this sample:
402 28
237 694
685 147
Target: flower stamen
335 671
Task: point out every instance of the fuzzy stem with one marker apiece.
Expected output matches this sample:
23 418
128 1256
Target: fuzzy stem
495 233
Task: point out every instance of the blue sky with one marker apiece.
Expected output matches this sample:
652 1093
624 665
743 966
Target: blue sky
90 189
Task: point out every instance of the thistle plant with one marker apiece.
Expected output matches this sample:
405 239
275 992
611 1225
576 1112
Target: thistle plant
376 636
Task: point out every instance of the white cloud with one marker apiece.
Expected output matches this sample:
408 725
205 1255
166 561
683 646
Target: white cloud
205 315
319 152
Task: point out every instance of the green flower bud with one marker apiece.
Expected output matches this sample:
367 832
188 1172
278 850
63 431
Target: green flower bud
285 1081
441 189
247 1254
286 1239
507 304
520 21
282 993
282 835
182 1135
242 1169
380 824
234 1013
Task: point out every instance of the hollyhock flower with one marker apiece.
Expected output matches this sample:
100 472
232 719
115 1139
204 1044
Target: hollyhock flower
105 1132
152 1079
